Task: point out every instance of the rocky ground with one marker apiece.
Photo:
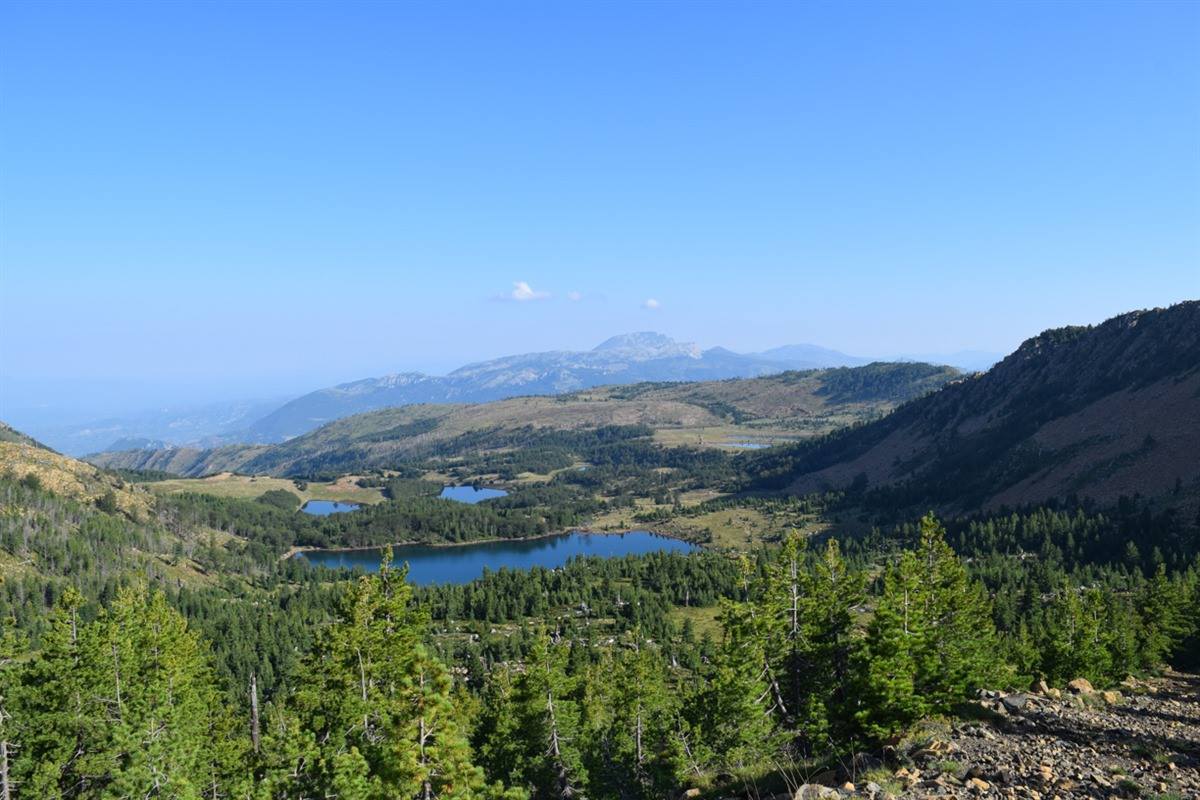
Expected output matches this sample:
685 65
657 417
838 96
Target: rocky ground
1141 741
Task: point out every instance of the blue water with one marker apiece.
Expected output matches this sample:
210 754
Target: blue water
469 494
745 445
465 563
323 508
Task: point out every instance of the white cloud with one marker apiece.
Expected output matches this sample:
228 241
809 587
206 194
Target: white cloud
652 304
522 292
574 297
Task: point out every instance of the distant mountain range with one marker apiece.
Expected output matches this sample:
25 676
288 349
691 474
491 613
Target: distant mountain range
785 406
630 358
1096 412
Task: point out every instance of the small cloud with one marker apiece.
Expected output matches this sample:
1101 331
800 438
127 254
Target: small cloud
522 292
651 304
574 297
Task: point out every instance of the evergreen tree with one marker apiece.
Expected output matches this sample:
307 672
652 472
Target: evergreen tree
957 647
377 704
730 715
889 699
126 706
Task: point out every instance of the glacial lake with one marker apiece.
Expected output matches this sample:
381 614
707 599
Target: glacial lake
323 508
745 445
469 494
464 563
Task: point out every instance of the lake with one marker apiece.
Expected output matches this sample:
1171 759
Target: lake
469 494
745 445
323 508
465 563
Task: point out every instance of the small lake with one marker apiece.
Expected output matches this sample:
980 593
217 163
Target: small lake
323 508
745 445
469 494
465 563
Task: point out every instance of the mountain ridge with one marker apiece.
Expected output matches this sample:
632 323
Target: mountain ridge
1092 411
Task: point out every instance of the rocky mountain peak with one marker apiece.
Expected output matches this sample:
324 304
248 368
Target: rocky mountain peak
646 345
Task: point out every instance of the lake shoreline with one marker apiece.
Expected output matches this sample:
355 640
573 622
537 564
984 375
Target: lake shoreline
295 550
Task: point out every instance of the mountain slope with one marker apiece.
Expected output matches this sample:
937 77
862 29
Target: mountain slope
803 403
1096 412
622 359
21 458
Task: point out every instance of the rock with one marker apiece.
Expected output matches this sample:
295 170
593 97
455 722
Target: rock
909 777
978 785
1046 773
1014 702
872 789
1080 686
1054 694
1111 697
847 787
813 791
1040 686
689 793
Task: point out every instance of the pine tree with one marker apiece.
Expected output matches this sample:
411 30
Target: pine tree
1075 639
547 756
730 714
887 664
126 706
806 613
378 705
1162 606
957 648
632 716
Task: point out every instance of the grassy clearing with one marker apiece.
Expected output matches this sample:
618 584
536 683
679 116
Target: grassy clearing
734 527
704 619
248 488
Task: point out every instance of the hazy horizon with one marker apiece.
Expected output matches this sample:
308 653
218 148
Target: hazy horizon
197 211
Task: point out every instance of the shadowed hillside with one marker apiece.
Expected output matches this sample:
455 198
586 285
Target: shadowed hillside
1098 412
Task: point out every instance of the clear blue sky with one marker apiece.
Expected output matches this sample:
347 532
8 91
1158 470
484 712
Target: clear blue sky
259 198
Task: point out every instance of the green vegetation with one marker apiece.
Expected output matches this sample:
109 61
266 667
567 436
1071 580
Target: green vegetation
160 643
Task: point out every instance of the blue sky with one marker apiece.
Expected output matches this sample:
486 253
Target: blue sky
252 199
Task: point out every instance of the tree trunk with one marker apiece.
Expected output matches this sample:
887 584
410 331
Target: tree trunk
254 725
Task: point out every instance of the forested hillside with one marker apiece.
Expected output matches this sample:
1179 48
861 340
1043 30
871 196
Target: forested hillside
1094 412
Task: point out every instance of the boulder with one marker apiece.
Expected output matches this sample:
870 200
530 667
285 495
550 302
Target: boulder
814 791
1111 697
1080 686
1015 702
979 785
687 794
1040 686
